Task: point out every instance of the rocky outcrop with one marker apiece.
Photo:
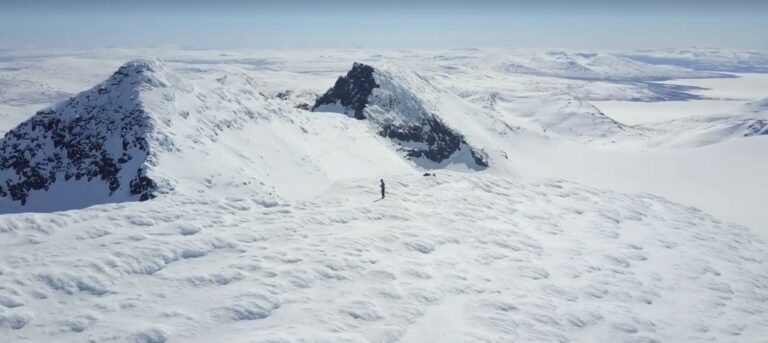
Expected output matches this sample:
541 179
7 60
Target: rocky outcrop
367 93
351 91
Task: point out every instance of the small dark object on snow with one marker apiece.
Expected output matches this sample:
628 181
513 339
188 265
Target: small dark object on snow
428 174
382 188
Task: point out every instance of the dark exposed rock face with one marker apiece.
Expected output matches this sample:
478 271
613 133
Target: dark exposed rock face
440 139
143 186
351 91
100 134
366 93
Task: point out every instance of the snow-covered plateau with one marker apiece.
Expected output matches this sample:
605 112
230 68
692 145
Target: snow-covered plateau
166 195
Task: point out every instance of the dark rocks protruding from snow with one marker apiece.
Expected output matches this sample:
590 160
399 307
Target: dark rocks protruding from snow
441 142
366 93
351 91
143 186
99 135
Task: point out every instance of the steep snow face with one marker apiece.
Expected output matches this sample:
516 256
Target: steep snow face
457 257
389 102
100 136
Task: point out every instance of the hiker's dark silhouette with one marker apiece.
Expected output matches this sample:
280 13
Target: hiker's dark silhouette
382 188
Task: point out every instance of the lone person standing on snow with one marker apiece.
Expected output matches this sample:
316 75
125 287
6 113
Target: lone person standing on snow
382 188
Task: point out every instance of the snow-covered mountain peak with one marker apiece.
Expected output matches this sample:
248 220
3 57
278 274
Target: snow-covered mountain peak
137 75
99 135
106 142
350 92
400 106
141 70
151 130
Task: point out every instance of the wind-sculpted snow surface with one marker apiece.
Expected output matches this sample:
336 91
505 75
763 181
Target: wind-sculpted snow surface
390 102
454 257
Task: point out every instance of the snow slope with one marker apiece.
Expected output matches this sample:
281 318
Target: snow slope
701 131
561 114
456 257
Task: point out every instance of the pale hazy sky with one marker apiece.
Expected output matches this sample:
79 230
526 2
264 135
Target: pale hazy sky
595 24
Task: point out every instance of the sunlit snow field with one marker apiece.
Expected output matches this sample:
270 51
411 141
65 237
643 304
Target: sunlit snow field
726 95
622 201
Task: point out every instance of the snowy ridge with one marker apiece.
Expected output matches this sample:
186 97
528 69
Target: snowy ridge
146 131
389 102
500 259
100 135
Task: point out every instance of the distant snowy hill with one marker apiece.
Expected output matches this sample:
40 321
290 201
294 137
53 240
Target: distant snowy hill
595 66
705 59
394 105
758 106
701 131
563 115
